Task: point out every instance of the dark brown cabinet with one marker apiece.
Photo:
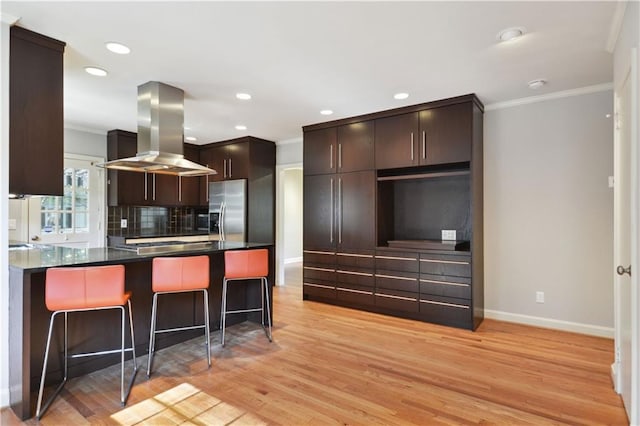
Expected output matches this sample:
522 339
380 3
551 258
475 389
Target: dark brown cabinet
439 135
36 135
341 149
147 189
425 177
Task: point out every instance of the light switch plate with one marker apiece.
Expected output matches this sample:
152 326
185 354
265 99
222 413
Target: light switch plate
448 235
123 223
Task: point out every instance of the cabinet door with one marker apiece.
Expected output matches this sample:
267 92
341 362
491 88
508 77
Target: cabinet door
189 186
237 156
163 190
126 188
396 141
319 211
320 151
355 147
355 206
445 134
36 114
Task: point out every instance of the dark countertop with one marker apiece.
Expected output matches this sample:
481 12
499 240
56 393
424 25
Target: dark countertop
41 257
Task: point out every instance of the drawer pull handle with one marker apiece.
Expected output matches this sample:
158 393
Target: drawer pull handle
368 256
319 252
320 286
452 262
349 290
354 273
393 277
453 305
411 299
319 269
396 258
445 283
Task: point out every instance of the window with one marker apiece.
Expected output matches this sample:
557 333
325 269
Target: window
68 214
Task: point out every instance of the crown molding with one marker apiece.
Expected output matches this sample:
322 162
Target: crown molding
549 96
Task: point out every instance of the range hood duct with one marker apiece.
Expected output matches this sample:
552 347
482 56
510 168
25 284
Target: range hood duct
160 134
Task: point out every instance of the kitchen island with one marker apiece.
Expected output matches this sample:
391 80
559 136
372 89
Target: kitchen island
99 330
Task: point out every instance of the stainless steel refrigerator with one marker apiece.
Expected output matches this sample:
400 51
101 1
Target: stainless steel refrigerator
228 210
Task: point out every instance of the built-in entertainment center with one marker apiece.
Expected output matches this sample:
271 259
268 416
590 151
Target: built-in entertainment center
393 212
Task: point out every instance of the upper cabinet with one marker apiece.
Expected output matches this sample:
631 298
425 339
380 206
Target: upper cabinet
147 189
439 135
36 147
341 149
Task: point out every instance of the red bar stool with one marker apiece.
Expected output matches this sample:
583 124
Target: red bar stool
179 275
246 265
80 289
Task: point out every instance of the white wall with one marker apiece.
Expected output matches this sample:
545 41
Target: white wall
85 143
549 212
289 152
292 183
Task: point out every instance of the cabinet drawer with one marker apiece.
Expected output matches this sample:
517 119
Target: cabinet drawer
361 260
318 272
446 310
456 266
318 290
319 257
441 285
355 294
358 276
396 280
397 300
397 261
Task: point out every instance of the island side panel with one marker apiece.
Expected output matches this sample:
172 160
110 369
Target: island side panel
19 341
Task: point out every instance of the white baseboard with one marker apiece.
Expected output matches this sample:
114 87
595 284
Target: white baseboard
574 327
293 260
4 397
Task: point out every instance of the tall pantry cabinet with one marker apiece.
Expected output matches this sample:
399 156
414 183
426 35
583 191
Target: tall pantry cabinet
379 189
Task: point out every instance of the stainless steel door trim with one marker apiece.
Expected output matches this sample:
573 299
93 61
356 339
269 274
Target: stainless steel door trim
451 262
411 146
452 305
350 290
368 256
424 144
180 188
146 185
395 277
331 215
319 286
340 211
221 221
207 187
331 156
154 186
363 274
397 258
319 252
445 283
224 168
230 172
391 296
339 155
314 268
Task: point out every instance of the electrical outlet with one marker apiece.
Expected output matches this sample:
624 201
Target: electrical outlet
123 223
539 296
448 234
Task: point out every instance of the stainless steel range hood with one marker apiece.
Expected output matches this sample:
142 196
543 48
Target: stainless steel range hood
160 134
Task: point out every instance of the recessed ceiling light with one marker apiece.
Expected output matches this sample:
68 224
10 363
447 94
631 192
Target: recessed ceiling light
95 71
190 138
536 84
510 33
243 96
401 95
117 48
241 127
326 112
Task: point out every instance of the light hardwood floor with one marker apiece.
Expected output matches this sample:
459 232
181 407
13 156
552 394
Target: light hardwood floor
329 365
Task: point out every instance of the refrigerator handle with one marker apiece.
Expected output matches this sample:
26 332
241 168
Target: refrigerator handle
221 224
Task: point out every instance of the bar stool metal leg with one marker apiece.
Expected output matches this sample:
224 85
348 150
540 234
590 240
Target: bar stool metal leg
207 334
152 333
266 292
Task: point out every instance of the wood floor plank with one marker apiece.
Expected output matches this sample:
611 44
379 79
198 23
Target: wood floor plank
331 365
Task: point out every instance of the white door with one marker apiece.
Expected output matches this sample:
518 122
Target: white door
626 243
75 219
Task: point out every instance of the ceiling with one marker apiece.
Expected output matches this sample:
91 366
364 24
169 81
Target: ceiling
297 58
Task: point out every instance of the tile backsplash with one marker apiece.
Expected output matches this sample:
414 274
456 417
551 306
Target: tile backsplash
149 220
